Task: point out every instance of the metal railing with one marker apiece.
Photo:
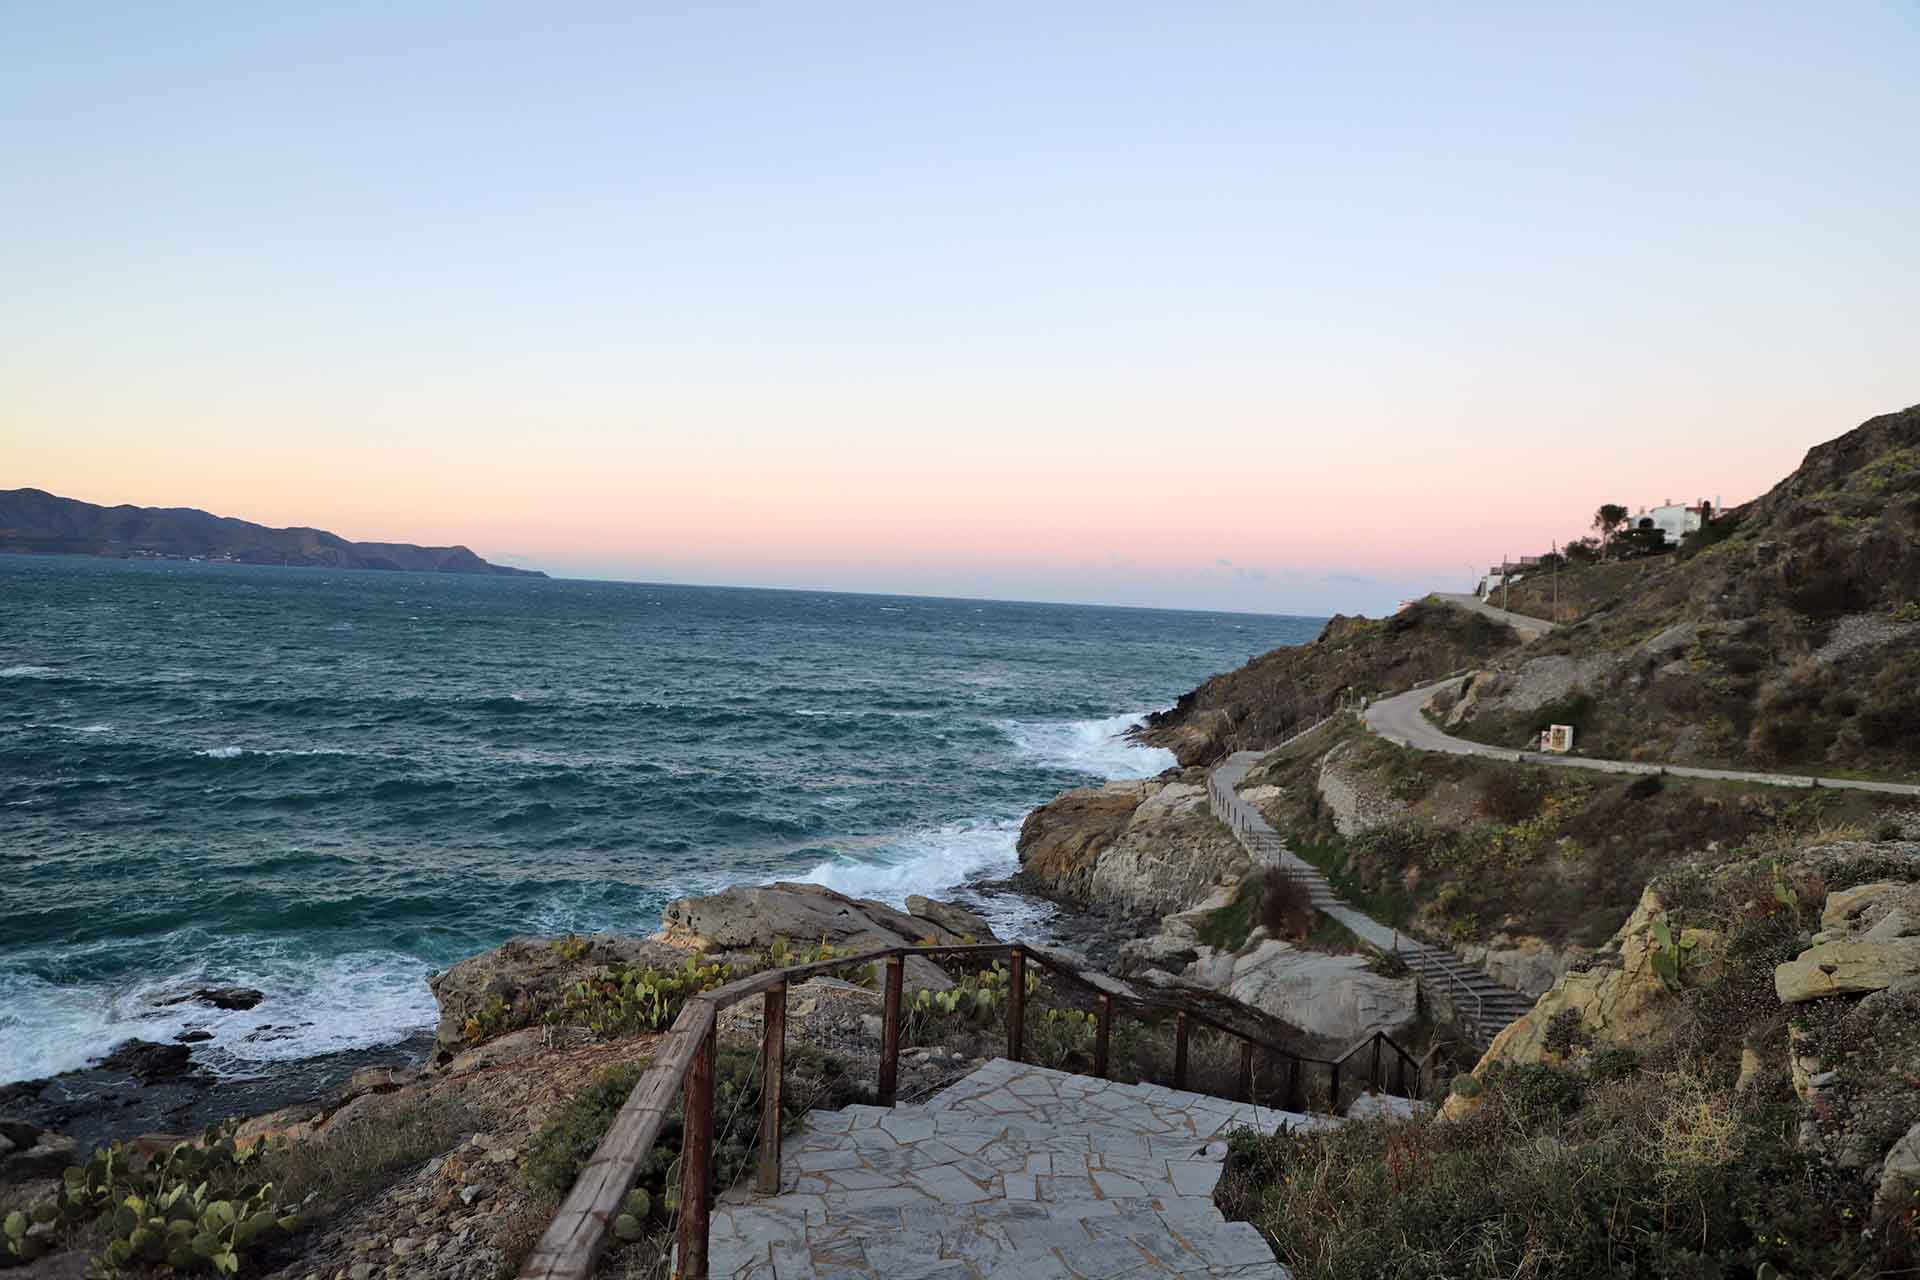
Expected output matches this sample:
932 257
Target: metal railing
683 1067
1266 845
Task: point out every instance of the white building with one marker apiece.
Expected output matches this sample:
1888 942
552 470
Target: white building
1675 520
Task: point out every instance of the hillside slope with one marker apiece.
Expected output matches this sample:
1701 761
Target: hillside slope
34 521
1790 642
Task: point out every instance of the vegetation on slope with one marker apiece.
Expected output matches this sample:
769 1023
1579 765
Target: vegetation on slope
1701 1149
1788 640
1483 847
1262 702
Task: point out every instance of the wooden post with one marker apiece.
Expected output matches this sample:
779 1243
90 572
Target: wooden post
696 1163
1101 1037
1293 1084
1373 1079
773 1066
890 1037
1017 1004
1400 1075
1333 1092
1246 1071
1180 1050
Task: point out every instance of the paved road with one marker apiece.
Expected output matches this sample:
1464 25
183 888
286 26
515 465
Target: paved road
1398 719
1529 628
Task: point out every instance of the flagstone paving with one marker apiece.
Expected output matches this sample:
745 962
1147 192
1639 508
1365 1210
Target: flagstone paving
1013 1172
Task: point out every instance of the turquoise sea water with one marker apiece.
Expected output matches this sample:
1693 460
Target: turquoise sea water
326 784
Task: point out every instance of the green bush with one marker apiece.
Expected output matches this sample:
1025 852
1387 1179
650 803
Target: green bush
195 1207
564 1144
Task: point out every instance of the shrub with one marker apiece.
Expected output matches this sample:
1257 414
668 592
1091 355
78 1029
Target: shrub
1565 1033
1512 795
1285 905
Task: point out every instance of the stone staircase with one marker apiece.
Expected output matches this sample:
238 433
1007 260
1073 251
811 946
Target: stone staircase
1486 1007
1015 1173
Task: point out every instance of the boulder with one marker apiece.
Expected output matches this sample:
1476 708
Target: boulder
751 917
1334 997
1847 967
1843 906
1171 855
956 920
1900 1172
146 1061
29 1153
1062 840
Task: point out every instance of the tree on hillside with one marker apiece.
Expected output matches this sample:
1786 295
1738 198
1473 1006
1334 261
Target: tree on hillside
1606 520
1585 551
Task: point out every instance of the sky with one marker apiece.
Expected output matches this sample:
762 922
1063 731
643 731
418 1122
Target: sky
1286 308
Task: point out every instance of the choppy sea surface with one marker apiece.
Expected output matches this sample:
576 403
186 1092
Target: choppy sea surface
326 784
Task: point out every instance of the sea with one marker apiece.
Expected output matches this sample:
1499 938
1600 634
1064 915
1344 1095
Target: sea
327 784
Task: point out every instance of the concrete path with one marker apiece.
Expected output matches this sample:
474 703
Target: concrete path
1399 719
1529 628
1476 999
1014 1173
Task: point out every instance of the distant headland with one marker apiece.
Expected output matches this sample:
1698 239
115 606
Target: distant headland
37 522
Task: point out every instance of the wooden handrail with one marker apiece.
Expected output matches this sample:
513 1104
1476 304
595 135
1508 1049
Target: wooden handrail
684 1062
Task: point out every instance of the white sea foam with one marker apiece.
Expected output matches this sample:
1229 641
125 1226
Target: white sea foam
1097 747
355 1000
222 753
24 673
935 863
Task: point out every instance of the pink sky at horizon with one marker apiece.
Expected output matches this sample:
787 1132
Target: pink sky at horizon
1146 521
1282 308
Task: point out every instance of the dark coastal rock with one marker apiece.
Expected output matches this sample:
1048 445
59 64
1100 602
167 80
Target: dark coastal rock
148 1062
193 1037
219 997
29 1152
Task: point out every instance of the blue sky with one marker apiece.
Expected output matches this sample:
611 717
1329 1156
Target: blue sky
1276 307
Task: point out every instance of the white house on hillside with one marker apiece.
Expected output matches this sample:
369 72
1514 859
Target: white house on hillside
1674 519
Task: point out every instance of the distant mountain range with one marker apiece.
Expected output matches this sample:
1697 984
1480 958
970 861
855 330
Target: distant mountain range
32 520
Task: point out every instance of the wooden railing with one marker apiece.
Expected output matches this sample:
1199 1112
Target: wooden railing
683 1066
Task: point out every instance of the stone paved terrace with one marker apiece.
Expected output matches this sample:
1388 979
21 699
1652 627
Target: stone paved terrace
1015 1173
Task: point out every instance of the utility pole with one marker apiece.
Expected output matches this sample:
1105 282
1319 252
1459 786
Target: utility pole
1556 580
1506 582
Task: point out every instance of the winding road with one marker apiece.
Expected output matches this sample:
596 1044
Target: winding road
1398 719
1529 628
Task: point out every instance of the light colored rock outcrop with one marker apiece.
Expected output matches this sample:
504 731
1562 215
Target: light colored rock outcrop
1334 997
1172 854
1526 964
1357 804
1625 1004
1062 840
1869 941
750 917
1900 1173
1842 968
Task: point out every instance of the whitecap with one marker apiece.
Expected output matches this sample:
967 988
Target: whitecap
934 863
24 672
1096 747
222 753
355 1000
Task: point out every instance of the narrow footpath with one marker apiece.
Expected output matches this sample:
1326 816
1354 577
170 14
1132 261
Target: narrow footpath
1485 1006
